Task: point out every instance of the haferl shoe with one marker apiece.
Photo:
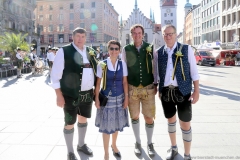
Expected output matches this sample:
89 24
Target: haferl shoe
85 149
138 149
171 153
187 158
71 156
150 149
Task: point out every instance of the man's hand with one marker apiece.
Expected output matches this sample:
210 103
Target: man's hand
155 89
194 97
60 100
159 95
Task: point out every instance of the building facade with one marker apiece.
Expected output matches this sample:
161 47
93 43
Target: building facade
57 19
168 12
230 21
211 21
197 25
137 17
188 38
17 17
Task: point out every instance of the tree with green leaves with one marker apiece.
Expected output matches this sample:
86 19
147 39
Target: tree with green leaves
10 41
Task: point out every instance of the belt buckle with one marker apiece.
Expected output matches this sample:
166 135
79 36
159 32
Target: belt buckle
140 86
171 86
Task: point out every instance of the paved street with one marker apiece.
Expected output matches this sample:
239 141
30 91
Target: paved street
31 125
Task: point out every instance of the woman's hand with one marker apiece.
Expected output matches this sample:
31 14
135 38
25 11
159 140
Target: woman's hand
97 103
125 103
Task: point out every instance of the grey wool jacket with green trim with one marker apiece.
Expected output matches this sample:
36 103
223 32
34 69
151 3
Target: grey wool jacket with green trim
73 68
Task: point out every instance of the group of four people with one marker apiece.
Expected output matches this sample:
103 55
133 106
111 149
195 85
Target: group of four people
128 83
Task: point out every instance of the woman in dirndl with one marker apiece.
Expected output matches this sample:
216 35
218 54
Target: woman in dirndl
114 116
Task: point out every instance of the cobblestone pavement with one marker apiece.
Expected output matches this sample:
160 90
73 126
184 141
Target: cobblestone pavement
31 125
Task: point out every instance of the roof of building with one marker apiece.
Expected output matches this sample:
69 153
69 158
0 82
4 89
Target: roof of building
188 5
168 3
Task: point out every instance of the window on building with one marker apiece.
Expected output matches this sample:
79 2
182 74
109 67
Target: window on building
50 38
41 38
234 17
93 5
71 5
82 25
50 17
61 7
60 16
71 16
71 26
50 28
210 23
218 6
60 38
61 28
40 8
40 17
81 16
218 20
50 7
171 14
70 38
165 14
41 28
93 37
82 5
93 15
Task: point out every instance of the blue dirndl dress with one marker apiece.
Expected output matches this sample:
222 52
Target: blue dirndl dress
113 117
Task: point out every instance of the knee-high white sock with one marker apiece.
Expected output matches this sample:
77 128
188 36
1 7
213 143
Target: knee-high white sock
149 130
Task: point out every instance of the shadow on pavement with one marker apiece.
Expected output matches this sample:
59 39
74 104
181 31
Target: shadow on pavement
214 71
206 90
211 75
10 82
146 157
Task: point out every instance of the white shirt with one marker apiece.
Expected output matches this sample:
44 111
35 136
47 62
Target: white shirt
33 56
48 54
58 66
51 56
110 67
18 55
191 59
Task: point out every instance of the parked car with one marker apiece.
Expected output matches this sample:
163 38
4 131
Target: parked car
205 57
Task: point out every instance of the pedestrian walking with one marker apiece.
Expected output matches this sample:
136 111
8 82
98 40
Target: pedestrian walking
19 62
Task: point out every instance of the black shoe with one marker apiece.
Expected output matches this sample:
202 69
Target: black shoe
187 158
116 154
171 153
85 149
138 149
71 156
150 149
19 77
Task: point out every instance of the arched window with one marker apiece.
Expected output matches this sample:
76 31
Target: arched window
146 37
127 39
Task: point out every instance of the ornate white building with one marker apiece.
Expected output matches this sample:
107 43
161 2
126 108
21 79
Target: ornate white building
152 31
168 10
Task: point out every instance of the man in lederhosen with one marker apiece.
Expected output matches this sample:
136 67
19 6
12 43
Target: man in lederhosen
139 57
72 77
33 58
177 71
19 62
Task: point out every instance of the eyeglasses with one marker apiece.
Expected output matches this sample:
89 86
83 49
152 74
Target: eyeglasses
111 49
168 34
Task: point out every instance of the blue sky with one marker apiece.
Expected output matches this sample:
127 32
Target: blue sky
125 7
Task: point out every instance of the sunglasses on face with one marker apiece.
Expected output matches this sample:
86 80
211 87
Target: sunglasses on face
111 49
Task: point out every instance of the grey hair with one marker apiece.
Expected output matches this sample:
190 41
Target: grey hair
169 25
79 30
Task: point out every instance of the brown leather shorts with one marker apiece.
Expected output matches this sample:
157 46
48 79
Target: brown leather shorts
145 96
